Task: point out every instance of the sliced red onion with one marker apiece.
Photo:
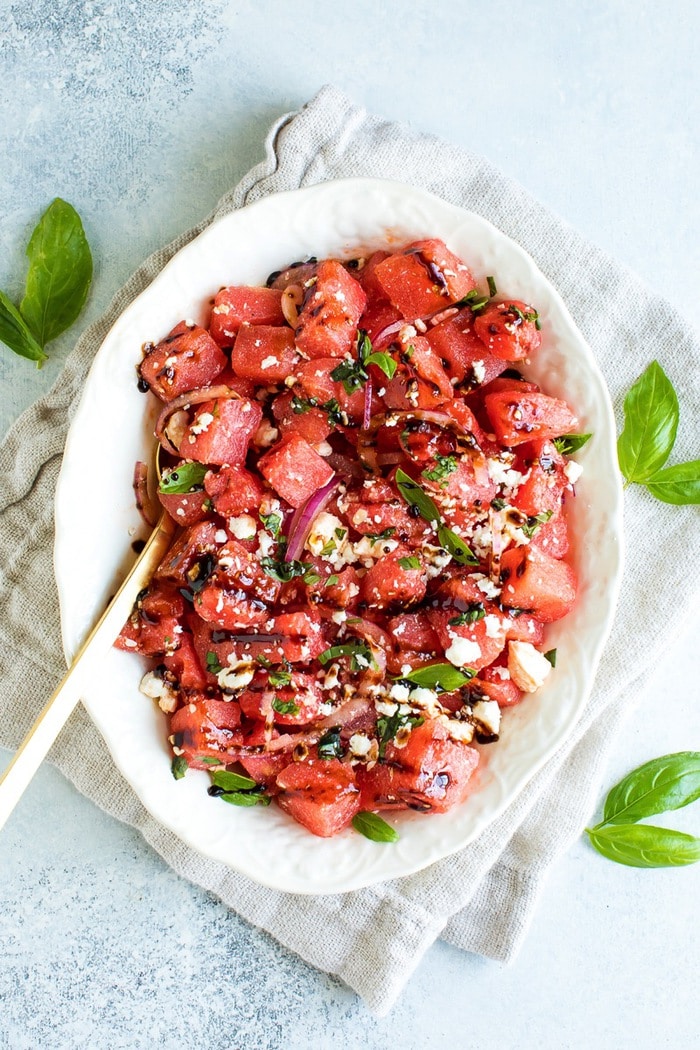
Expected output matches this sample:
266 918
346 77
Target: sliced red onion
299 274
300 525
384 335
144 502
497 522
367 413
191 397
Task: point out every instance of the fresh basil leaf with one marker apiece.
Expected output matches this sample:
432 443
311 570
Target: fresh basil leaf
444 678
473 614
242 798
213 665
663 784
374 537
383 361
567 444
492 286
15 333
359 651
284 571
679 485
206 760
651 421
332 580
411 562
329 746
416 497
184 478
60 272
456 546
179 767
645 846
374 827
532 524
285 707
223 778
551 655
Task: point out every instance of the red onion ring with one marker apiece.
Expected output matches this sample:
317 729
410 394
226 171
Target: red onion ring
300 525
367 413
192 397
144 502
496 521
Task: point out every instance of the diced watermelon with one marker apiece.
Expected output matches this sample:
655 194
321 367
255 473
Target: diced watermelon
328 320
534 581
423 277
389 584
462 353
265 354
432 772
321 794
518 417
295 470
186 359
221 431
184 664
508 330
236 306
233 490
304 420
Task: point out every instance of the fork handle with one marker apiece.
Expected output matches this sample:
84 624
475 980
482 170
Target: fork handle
48 724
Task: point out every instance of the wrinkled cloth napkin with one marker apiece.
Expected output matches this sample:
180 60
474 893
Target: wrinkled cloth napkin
482 898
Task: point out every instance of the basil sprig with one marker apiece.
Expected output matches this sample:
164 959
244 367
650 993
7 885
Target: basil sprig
236 789
658 786
417 497
360 654
374 827
651 422
58 281
567 444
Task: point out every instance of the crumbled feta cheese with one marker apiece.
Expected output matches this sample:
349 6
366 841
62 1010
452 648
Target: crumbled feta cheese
220 536
269 362
236 677
157 689
243 528
339 616
427 700
501 471
359 745
384 708
330 535
265 435
462 732
573 471
399 692
528 666
488 714
462 651
494 626
486 586
323 449
266 544
479 370
202 423
435 559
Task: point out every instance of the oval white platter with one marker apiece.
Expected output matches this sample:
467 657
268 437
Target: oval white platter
96 521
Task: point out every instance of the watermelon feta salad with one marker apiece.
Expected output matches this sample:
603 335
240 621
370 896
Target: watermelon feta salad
372 534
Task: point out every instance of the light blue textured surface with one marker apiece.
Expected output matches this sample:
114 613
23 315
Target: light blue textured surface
142 115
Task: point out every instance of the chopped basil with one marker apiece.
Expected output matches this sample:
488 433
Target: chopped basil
206 760
263 661
533 523
384 362
374 827
300 405
531 315
285 707
567 444
353 373
474 613
551 655
280 677
360 653
179 767
272 522
443 678
498 504
446 465
284 571
374 537
474 300
492 287
332 580
389 725
328 548
213 665
329 746
410 563
185 478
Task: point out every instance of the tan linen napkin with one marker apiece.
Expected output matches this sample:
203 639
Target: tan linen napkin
482 898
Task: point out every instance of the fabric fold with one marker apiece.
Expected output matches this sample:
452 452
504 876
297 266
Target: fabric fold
482 898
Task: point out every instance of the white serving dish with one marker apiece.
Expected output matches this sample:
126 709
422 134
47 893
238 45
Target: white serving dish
96 521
